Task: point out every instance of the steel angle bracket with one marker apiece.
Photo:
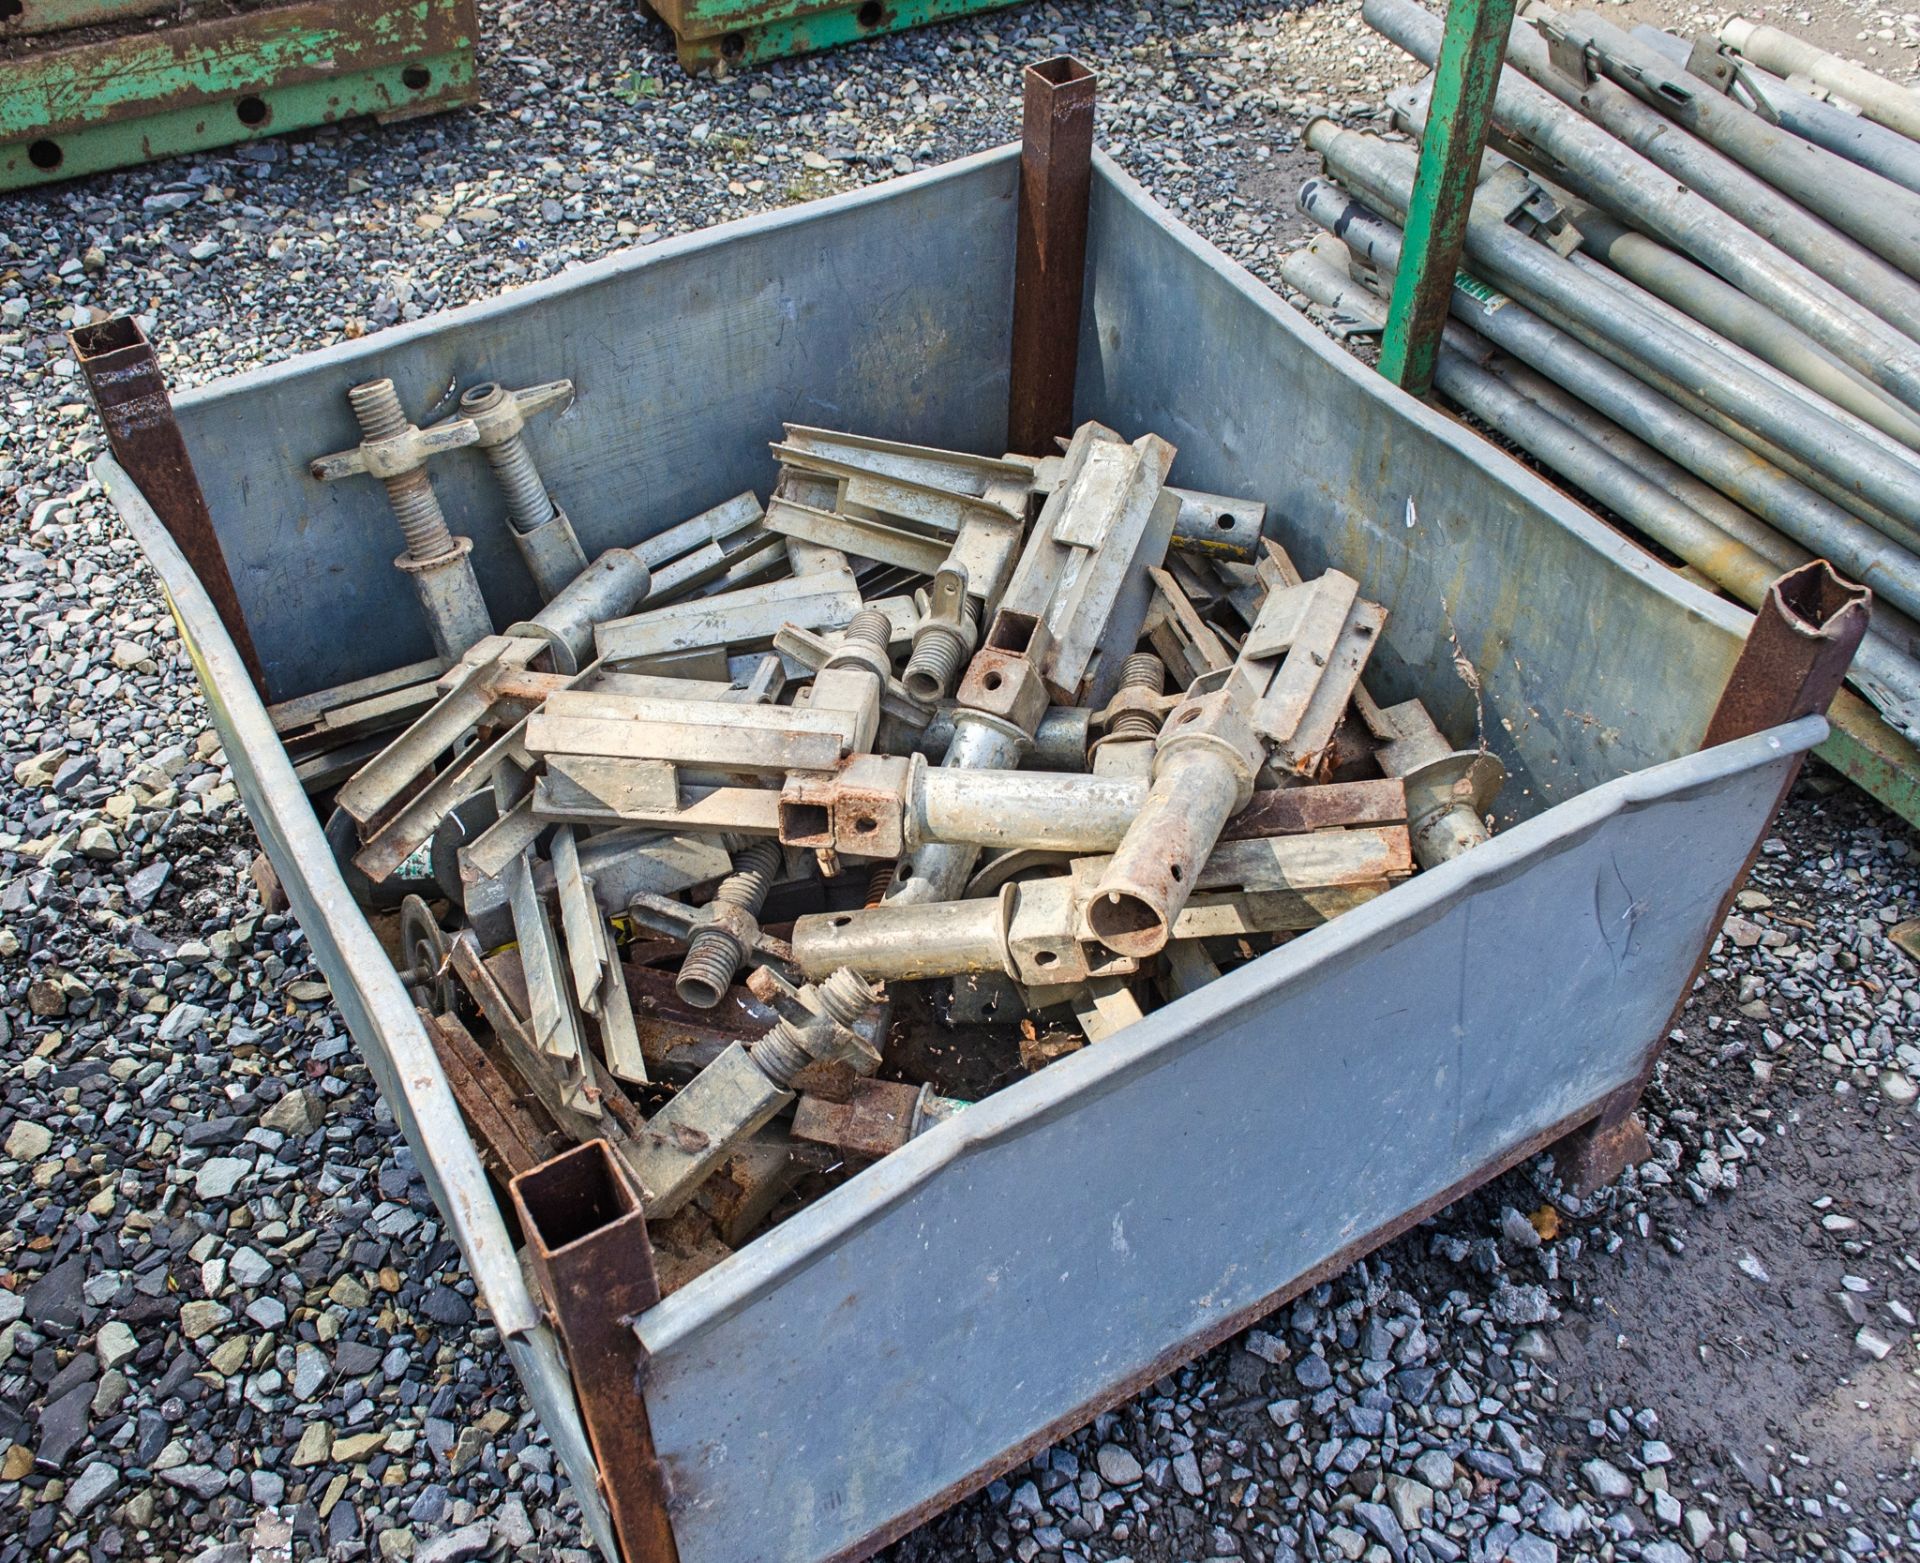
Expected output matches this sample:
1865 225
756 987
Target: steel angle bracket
212 80
555 1024
598 985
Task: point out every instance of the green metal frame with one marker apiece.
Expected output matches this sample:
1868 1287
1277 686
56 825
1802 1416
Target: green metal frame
1873 756
750 32
80 108
1465 79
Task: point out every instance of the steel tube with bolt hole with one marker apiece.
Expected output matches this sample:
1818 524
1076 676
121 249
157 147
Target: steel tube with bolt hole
614 584
1381 172
1195 791
903 943
1608 170
939 871
1029 809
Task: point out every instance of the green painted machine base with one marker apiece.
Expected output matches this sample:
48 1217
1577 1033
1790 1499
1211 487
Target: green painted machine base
1873 756
79 108
246 116
738 34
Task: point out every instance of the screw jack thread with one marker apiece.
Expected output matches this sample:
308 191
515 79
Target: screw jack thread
784 1051
781 1054
376 405
529 506
1142 670
871 627
878 883
939 653
847 996
713 954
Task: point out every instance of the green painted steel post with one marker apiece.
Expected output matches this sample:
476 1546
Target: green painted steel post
1465 79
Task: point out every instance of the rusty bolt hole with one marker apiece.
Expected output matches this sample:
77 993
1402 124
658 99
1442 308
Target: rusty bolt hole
415 78
46 155
252 111
1174 869
872 14
865 825
1189 715
992 680
1224 521
842 922
1045 958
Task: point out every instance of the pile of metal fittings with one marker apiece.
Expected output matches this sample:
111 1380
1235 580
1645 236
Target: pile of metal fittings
933 742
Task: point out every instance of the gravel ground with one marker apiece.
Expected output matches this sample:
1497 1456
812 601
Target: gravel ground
230 1321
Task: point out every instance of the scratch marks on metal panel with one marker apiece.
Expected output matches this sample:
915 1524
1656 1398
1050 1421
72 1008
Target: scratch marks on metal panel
1616 912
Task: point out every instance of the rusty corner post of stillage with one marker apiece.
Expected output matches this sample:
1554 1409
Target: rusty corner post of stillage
1050 252
1792 665
587 1243
130 394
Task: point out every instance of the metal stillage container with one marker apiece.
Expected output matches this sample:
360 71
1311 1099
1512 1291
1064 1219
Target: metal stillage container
932 1321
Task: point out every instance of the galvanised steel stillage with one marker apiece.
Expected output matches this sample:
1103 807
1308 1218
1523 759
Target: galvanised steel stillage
924 1325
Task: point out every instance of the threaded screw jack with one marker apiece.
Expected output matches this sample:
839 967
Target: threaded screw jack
871 627
529 506
845 997
714 954
940 651
376 406
1142 670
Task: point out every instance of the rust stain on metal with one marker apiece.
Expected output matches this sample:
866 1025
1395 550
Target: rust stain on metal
130 395
1050 255
1287 811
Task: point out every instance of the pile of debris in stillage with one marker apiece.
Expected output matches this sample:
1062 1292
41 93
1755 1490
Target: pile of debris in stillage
773 840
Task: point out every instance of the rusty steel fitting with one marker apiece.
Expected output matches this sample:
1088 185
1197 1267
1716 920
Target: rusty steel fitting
396 452
540 528
818 1024
715 951
1204 765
